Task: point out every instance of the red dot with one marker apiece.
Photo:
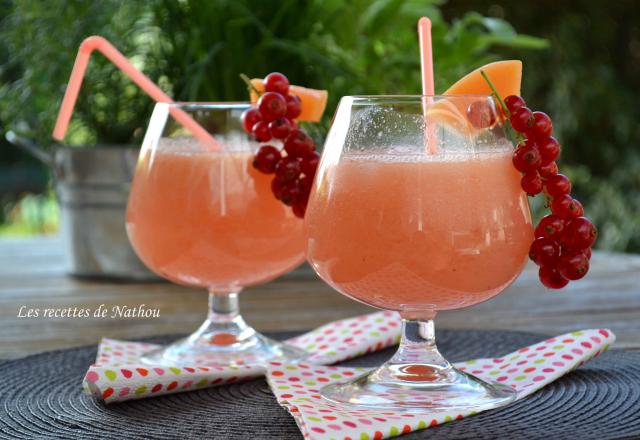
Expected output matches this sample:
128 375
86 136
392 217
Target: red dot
335 427
568 340
329 417
538 378
286 396
586 344
107 393
567 357
277 373
172 385
377 435
542 347
501 378
548 370
549 354
604 333
294 379
558 364
365 421
349 424
577 351
434 422
156 388
92 376
406 429
316 429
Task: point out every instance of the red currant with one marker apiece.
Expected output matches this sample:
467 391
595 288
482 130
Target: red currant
288 169
299 144
558 185
526 158
544 251
294 106
307 183
549 149
272 106
579 234
551 278
249 118
522 120
587 252
266 159
542 126
291 193
277 188
550 226
514 102
276 82
310 164
549 170
481 115
280 128
299 209
531 183
261 131
579 210
565 206
573 265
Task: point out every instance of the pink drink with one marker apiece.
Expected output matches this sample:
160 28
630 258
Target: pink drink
419 233
209 219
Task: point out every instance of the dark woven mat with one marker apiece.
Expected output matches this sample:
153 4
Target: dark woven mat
40 397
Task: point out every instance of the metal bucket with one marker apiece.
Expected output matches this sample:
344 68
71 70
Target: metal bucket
92 186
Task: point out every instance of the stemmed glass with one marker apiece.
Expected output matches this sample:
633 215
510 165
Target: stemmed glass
206 218
417 208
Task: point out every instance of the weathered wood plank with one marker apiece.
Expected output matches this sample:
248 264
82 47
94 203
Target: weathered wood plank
32 275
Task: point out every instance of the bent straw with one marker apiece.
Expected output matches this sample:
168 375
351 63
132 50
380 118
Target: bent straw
103 46
426 68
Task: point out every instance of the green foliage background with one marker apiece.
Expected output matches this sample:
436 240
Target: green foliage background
584 72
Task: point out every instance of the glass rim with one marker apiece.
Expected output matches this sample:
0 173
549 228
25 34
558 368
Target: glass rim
415 97
206 104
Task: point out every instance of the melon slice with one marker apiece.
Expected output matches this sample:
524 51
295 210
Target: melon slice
313 101
506 77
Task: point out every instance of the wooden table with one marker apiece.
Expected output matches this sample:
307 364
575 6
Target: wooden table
32 274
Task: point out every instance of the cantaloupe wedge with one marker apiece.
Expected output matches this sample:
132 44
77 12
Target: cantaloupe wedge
313 101
506 77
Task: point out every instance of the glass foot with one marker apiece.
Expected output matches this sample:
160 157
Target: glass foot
224 339
420 387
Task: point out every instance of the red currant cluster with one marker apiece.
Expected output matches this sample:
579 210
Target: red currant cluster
274 118
563 239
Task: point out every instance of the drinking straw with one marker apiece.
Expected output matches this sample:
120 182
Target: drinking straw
103 46
426 67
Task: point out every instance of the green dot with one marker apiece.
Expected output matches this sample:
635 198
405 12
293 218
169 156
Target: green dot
393 431
539 361
422 424
310 346
315 419
345 331
364 436
473 413
107 349
494 372
577 333
284 387
141 390
175 370
374 334
111 375
330 353
310 382
379 320
448 419
291 367
514 357
520 378
335 376
202 383
558 347
471 362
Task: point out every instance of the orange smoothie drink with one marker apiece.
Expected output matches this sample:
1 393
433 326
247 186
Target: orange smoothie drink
209 219
419 233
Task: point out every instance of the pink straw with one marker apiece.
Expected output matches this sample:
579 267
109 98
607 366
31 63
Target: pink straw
426 66
426 56
110 52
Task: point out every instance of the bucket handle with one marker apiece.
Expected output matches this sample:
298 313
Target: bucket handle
30 147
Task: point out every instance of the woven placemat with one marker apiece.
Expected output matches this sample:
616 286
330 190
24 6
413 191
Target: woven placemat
41 397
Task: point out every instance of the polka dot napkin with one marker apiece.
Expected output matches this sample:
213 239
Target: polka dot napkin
118 373
526 370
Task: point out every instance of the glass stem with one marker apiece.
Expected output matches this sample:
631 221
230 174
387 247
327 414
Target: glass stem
418 346
223 306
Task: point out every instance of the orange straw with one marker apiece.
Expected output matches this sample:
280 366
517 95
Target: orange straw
109 51
426 67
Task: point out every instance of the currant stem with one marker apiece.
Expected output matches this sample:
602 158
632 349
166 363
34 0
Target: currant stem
495 93
250 86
